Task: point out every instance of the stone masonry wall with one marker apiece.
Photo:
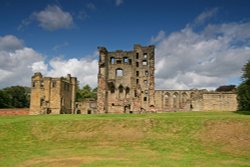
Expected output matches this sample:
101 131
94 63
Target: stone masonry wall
126 80
52 95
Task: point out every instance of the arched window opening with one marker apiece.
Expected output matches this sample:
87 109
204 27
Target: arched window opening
184 98
145 55
119 72
166 100
127 90
111 87
120 89
175 100
144 62
112 60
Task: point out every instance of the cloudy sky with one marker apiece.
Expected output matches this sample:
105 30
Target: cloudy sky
199 44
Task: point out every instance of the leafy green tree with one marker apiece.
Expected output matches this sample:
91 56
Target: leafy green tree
5 99
243 90
86 92
226 88
15 97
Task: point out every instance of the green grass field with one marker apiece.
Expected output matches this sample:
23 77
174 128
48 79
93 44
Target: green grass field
171 139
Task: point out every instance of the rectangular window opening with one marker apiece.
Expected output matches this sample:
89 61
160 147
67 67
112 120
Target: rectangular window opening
112 60
34 84
53 84
125 60
41 84
130 61
137 73
137 55
137 64
119 72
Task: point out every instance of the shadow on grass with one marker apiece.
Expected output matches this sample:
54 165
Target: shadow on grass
242 112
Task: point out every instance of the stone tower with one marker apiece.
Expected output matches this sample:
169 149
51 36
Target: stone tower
126 80
52 95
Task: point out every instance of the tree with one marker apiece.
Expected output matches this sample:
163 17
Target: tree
226 88
86 92
14 97
243 90
5 99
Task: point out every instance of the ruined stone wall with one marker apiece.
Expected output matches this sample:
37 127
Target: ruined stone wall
220 101
177 100
52 95
86 106
14 111
194 100
126 80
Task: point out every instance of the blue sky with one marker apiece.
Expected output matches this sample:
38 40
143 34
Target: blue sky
199 44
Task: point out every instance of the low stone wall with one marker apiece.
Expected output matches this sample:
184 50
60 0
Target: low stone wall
14 111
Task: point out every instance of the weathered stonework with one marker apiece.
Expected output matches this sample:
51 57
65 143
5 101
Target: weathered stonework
86 106
125 85
132 90
126 80
195 100
52 95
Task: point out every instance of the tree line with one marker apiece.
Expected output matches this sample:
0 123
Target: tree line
15 97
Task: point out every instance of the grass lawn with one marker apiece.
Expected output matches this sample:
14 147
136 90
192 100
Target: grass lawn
181 139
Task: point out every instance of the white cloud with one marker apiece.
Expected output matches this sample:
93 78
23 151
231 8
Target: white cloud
10 43
60 46
118 2
204 16
84 69
53 18
17 65
158 38
39 66
15 61
213 57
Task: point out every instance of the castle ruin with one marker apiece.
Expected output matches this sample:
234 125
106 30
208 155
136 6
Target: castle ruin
52 95
126 80
126 84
